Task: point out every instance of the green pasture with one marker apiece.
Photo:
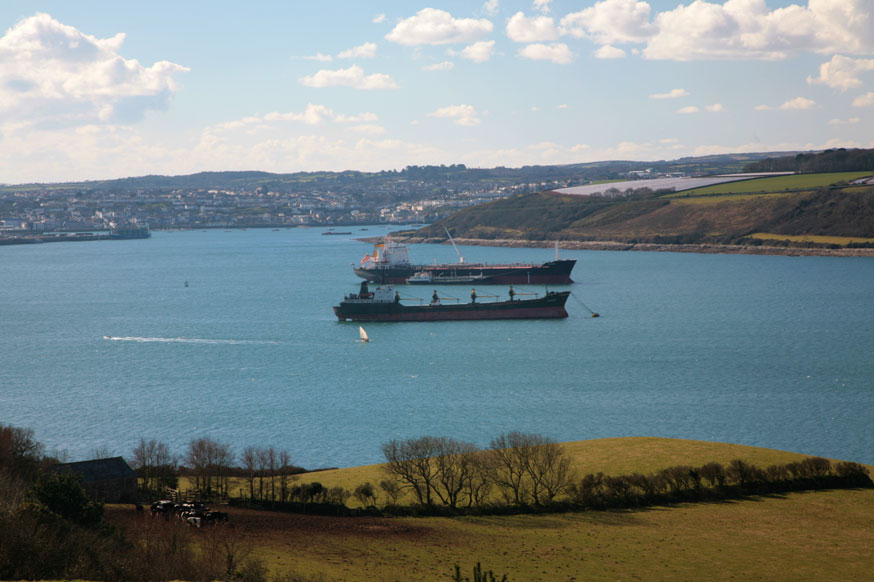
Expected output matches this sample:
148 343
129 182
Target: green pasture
829 240
792 182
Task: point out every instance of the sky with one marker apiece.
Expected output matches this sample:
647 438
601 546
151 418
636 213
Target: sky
99 90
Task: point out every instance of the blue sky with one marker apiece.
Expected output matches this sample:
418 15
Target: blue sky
93 90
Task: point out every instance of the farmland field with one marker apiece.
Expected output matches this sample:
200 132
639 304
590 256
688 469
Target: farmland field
829 240
799 536
776 184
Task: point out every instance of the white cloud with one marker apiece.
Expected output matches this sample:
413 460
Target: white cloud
51 73
850 121
747 29
444 66
378 19
715 108
318 57
520 28
368 128
866 100
558 53
610 22
434 27
365 51
542 5
798 103
842 72
689 109
313 115
609 52
353 77
672 94
479 52
460 114
491 7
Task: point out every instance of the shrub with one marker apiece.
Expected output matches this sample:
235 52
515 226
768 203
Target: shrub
478 575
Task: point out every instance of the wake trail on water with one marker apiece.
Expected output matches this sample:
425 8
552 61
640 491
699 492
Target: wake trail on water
186 340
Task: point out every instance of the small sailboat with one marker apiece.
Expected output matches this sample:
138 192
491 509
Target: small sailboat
363 334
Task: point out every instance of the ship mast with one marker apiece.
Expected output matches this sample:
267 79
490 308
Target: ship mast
460 258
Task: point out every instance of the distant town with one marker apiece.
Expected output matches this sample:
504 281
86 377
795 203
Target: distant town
417 194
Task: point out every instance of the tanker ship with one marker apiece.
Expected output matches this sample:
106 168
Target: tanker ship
390 263
384 304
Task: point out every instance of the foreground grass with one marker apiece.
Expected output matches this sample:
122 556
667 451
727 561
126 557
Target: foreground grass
826 535
803 536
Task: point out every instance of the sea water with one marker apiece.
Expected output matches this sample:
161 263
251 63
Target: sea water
230 335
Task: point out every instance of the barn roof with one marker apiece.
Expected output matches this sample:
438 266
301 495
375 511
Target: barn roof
100 469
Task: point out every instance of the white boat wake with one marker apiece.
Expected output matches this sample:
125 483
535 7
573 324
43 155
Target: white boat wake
185 340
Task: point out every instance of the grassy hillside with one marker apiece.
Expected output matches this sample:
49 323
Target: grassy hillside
826 535
798 208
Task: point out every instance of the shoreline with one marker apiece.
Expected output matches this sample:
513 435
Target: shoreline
703 248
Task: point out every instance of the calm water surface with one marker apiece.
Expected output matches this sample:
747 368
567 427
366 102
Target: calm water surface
102 344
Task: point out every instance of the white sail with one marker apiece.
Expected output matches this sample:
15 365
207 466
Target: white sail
363 334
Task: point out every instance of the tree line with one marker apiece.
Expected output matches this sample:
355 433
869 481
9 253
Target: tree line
210 465
834 160
522 471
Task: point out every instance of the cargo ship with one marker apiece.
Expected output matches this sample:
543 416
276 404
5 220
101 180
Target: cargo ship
384 304
390 263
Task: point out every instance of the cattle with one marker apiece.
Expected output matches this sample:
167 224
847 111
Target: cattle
193 513
217 517
163 507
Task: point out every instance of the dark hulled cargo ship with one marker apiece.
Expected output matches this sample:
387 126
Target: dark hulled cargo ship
384 304
390 263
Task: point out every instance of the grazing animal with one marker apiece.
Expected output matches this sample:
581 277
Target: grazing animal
217 517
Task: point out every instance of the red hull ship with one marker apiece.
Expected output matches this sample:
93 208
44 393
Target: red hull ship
390 263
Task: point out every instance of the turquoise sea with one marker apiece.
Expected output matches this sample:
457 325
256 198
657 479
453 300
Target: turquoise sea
102 343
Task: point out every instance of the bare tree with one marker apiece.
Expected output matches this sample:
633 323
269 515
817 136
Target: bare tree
208 458
550 471
392 490
530 468
479 481
409 461
510 457
284 468
454 468
249 458
18 447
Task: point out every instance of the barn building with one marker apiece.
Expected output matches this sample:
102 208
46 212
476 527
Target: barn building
111 480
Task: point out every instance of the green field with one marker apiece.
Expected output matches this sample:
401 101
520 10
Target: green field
828 240
795 182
